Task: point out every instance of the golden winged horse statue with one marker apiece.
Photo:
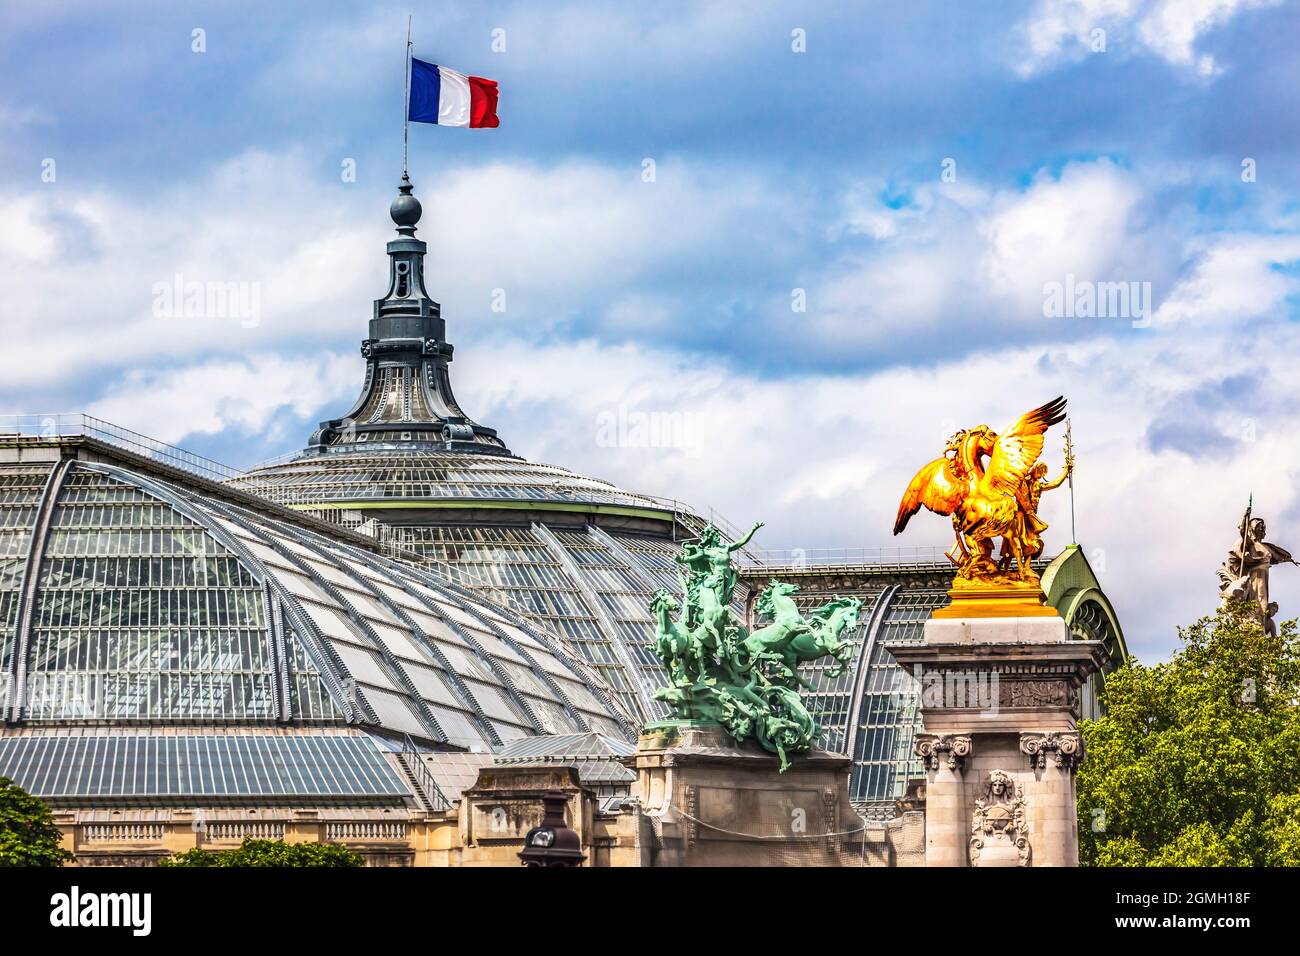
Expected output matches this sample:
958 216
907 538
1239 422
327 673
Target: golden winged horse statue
990 500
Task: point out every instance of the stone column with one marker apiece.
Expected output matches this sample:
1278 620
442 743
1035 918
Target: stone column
1008 689
1054 757
946 825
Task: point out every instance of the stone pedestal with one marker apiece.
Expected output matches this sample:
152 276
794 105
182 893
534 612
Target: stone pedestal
711 802
999 706
507 801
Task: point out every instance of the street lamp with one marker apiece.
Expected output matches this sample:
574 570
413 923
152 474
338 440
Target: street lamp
554 842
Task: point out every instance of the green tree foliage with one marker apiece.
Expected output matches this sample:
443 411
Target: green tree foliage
28 836
1197 761
270 853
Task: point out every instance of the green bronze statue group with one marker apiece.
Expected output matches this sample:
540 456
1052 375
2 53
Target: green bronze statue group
746 681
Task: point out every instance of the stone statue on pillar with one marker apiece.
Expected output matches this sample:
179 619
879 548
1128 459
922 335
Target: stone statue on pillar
734 766
990 484
1243 577
1000 764
720 672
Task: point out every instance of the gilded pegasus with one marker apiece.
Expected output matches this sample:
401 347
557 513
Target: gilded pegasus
997 499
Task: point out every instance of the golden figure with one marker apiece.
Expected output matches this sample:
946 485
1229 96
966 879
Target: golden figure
1027 496
992 499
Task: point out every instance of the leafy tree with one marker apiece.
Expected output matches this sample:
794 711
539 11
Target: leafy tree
28 836
1196 762
270 853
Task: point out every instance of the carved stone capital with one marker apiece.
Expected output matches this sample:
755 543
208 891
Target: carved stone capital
1066 749
948 749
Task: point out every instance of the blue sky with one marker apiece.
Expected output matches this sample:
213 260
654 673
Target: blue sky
1101 140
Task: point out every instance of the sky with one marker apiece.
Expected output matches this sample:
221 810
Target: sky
762 258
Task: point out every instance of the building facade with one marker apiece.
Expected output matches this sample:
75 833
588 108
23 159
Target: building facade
368 640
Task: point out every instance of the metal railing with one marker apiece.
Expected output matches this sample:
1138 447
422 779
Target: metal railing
821 557
72 424
421 775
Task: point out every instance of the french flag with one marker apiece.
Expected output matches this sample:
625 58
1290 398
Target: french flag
441 95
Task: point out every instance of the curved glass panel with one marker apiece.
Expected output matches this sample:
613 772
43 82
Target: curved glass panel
142 615
414 475
158 603
890 714
20 497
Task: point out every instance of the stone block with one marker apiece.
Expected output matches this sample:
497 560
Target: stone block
712 802
997 630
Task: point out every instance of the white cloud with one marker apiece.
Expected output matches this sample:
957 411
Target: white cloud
244 397
1077 223
1235 277
1170 28
1068 30
314 252
824 460
966 266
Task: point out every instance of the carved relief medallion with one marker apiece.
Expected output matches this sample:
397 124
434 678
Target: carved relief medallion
999 827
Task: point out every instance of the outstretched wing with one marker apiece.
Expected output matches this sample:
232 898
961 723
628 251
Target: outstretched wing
936 486
1018 447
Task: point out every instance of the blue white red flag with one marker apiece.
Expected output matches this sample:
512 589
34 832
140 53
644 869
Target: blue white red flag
443 96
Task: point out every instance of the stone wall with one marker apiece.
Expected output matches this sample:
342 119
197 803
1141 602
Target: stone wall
487 828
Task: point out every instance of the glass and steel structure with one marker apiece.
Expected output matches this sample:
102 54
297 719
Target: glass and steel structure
395 603
872 712
130 599
132 768
578 554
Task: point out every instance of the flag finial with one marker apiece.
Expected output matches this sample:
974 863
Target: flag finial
406 209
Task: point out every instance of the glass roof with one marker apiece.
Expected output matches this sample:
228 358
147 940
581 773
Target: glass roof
590 587
230 767
154 602
356 476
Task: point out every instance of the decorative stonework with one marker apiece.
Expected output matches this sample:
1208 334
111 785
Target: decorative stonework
692 815
948 749
830 811
1036 693
999 826
1066 749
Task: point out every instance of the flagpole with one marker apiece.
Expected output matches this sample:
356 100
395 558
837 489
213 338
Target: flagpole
1245 532
1069 454
406 105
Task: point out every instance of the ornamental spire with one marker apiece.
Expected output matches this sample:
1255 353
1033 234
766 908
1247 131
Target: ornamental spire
406 400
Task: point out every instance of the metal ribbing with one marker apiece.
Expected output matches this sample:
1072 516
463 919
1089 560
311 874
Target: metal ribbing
330 666
643 695
386 567
279 655
391 664
31 588
874 625
465 600
425 641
